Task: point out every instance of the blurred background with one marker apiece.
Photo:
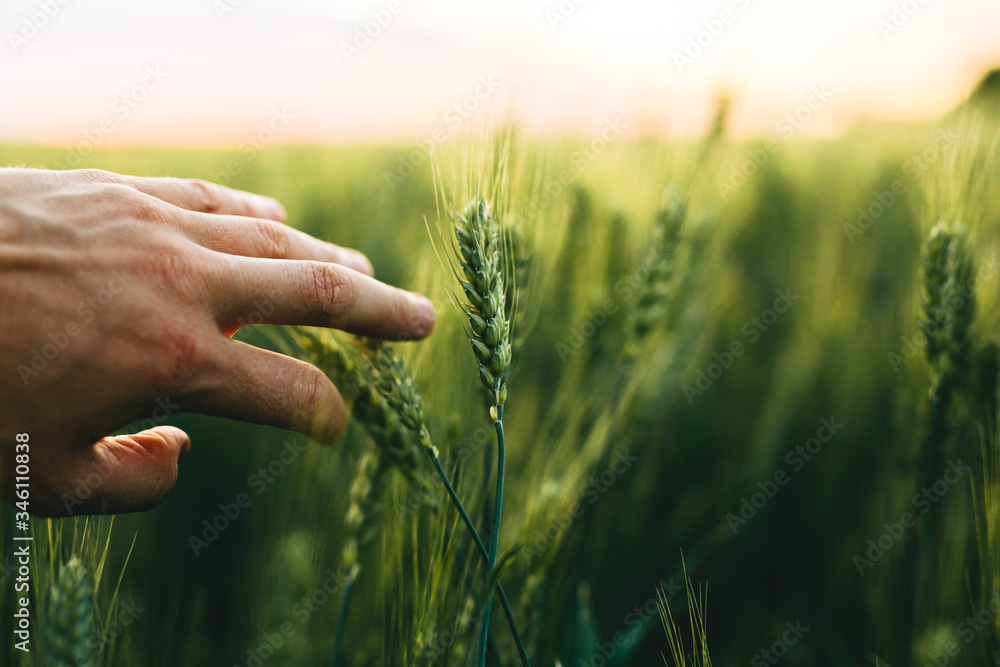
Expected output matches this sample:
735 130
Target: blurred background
560 67
726 211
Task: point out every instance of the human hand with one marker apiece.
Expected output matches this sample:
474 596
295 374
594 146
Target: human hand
116 292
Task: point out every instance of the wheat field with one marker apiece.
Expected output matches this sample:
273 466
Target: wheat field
749 384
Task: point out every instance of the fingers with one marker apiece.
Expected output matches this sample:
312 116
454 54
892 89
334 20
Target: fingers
204 197
319 294
124 473
264 238
233 222
133 473
264 387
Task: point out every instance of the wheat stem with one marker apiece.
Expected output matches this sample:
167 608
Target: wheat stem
342 621
467 520
497 511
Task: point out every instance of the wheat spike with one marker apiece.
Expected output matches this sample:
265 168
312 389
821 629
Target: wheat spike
934 262
652 298
394 382
357 381
948 308
477 232
69 616
367 504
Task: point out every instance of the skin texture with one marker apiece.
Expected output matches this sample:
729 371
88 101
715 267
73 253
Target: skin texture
118 292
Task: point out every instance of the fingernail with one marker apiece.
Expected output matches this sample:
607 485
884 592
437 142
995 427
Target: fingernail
423 316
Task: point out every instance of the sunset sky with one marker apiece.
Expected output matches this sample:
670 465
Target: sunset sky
214 72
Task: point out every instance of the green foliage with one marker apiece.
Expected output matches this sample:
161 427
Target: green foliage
697 603
634 427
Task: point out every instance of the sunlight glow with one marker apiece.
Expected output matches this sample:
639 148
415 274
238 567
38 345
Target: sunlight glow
561 66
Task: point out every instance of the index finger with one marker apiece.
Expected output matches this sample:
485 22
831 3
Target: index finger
320 294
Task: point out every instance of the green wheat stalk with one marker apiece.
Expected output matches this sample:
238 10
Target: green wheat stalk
484 267
389 405
947 312
986 513
395 382
394 447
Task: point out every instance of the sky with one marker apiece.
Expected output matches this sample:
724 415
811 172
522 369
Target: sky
228 72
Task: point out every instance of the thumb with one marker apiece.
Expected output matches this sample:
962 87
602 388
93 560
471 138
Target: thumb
132 473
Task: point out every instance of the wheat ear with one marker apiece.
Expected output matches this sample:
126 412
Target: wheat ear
484 269
69 615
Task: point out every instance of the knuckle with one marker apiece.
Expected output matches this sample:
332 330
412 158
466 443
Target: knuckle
181 355
273 240
145 208
161 464
209 195
98 176
335 290
125 200
172 265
